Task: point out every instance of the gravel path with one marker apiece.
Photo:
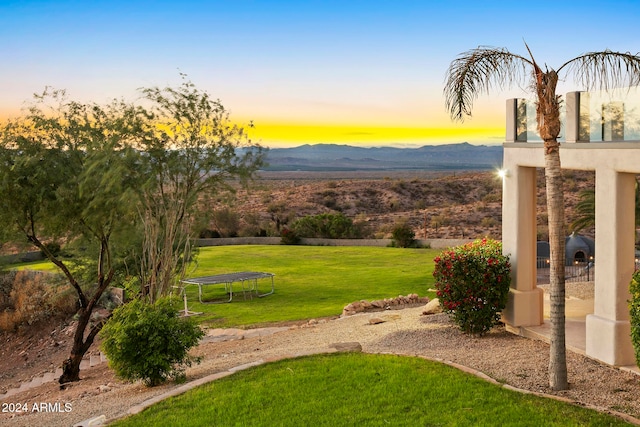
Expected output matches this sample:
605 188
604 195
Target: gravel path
507 358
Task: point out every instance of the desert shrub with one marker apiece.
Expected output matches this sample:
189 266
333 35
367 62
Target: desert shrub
251 226
634 312
329 199
6 285
420 204
403 236
395 205
206 233
492 197
227 222
369 192
399 186
252 230
149 342
331 203
289 237
439 221
28 297
489 221
328 226
472 283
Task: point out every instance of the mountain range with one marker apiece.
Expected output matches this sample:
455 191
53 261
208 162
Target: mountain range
318 157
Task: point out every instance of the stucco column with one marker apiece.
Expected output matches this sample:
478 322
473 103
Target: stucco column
525 305
608 328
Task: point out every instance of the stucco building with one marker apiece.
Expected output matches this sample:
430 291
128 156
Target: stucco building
600 135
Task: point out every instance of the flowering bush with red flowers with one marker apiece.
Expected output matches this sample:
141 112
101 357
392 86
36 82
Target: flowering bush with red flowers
472 283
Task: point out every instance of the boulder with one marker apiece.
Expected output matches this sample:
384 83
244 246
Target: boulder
432 307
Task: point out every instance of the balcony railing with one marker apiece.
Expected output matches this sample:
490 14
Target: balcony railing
612 116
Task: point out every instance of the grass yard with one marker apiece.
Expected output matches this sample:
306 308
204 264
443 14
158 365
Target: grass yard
360 389
37 265
310 281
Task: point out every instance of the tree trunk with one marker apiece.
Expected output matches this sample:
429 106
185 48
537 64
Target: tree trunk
71 369
555 210
71 366
82 343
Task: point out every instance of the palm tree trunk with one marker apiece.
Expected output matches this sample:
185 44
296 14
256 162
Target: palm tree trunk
555 210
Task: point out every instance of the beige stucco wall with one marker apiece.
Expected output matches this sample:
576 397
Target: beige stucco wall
615 166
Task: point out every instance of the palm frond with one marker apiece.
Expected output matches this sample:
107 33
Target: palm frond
477 71
605 70
585 210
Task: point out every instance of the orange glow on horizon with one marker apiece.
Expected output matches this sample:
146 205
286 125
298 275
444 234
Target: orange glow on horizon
279 134
289 134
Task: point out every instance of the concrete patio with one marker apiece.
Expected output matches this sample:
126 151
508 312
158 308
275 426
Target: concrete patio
576 312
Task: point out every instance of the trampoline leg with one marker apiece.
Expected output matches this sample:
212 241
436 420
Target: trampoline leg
268 293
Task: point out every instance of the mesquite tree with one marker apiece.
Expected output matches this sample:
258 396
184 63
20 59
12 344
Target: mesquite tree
63 175
119 182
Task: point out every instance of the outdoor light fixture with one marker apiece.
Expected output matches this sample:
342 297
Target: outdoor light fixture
503 173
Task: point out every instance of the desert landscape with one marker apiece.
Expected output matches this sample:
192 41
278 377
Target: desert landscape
437 204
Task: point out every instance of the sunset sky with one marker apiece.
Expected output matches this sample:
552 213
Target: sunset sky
356 72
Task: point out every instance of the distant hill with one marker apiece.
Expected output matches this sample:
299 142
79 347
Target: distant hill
462 156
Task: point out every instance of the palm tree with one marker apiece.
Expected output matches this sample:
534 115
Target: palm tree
480 70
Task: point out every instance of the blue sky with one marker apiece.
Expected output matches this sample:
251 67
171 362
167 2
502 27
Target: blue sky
357 72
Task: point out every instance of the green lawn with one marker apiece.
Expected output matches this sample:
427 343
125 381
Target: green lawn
310 281
353 389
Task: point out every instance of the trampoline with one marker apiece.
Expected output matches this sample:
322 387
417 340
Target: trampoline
247 279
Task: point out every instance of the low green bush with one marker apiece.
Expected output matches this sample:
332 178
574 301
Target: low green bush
328 226
634 311
403 236
149 342
472 283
